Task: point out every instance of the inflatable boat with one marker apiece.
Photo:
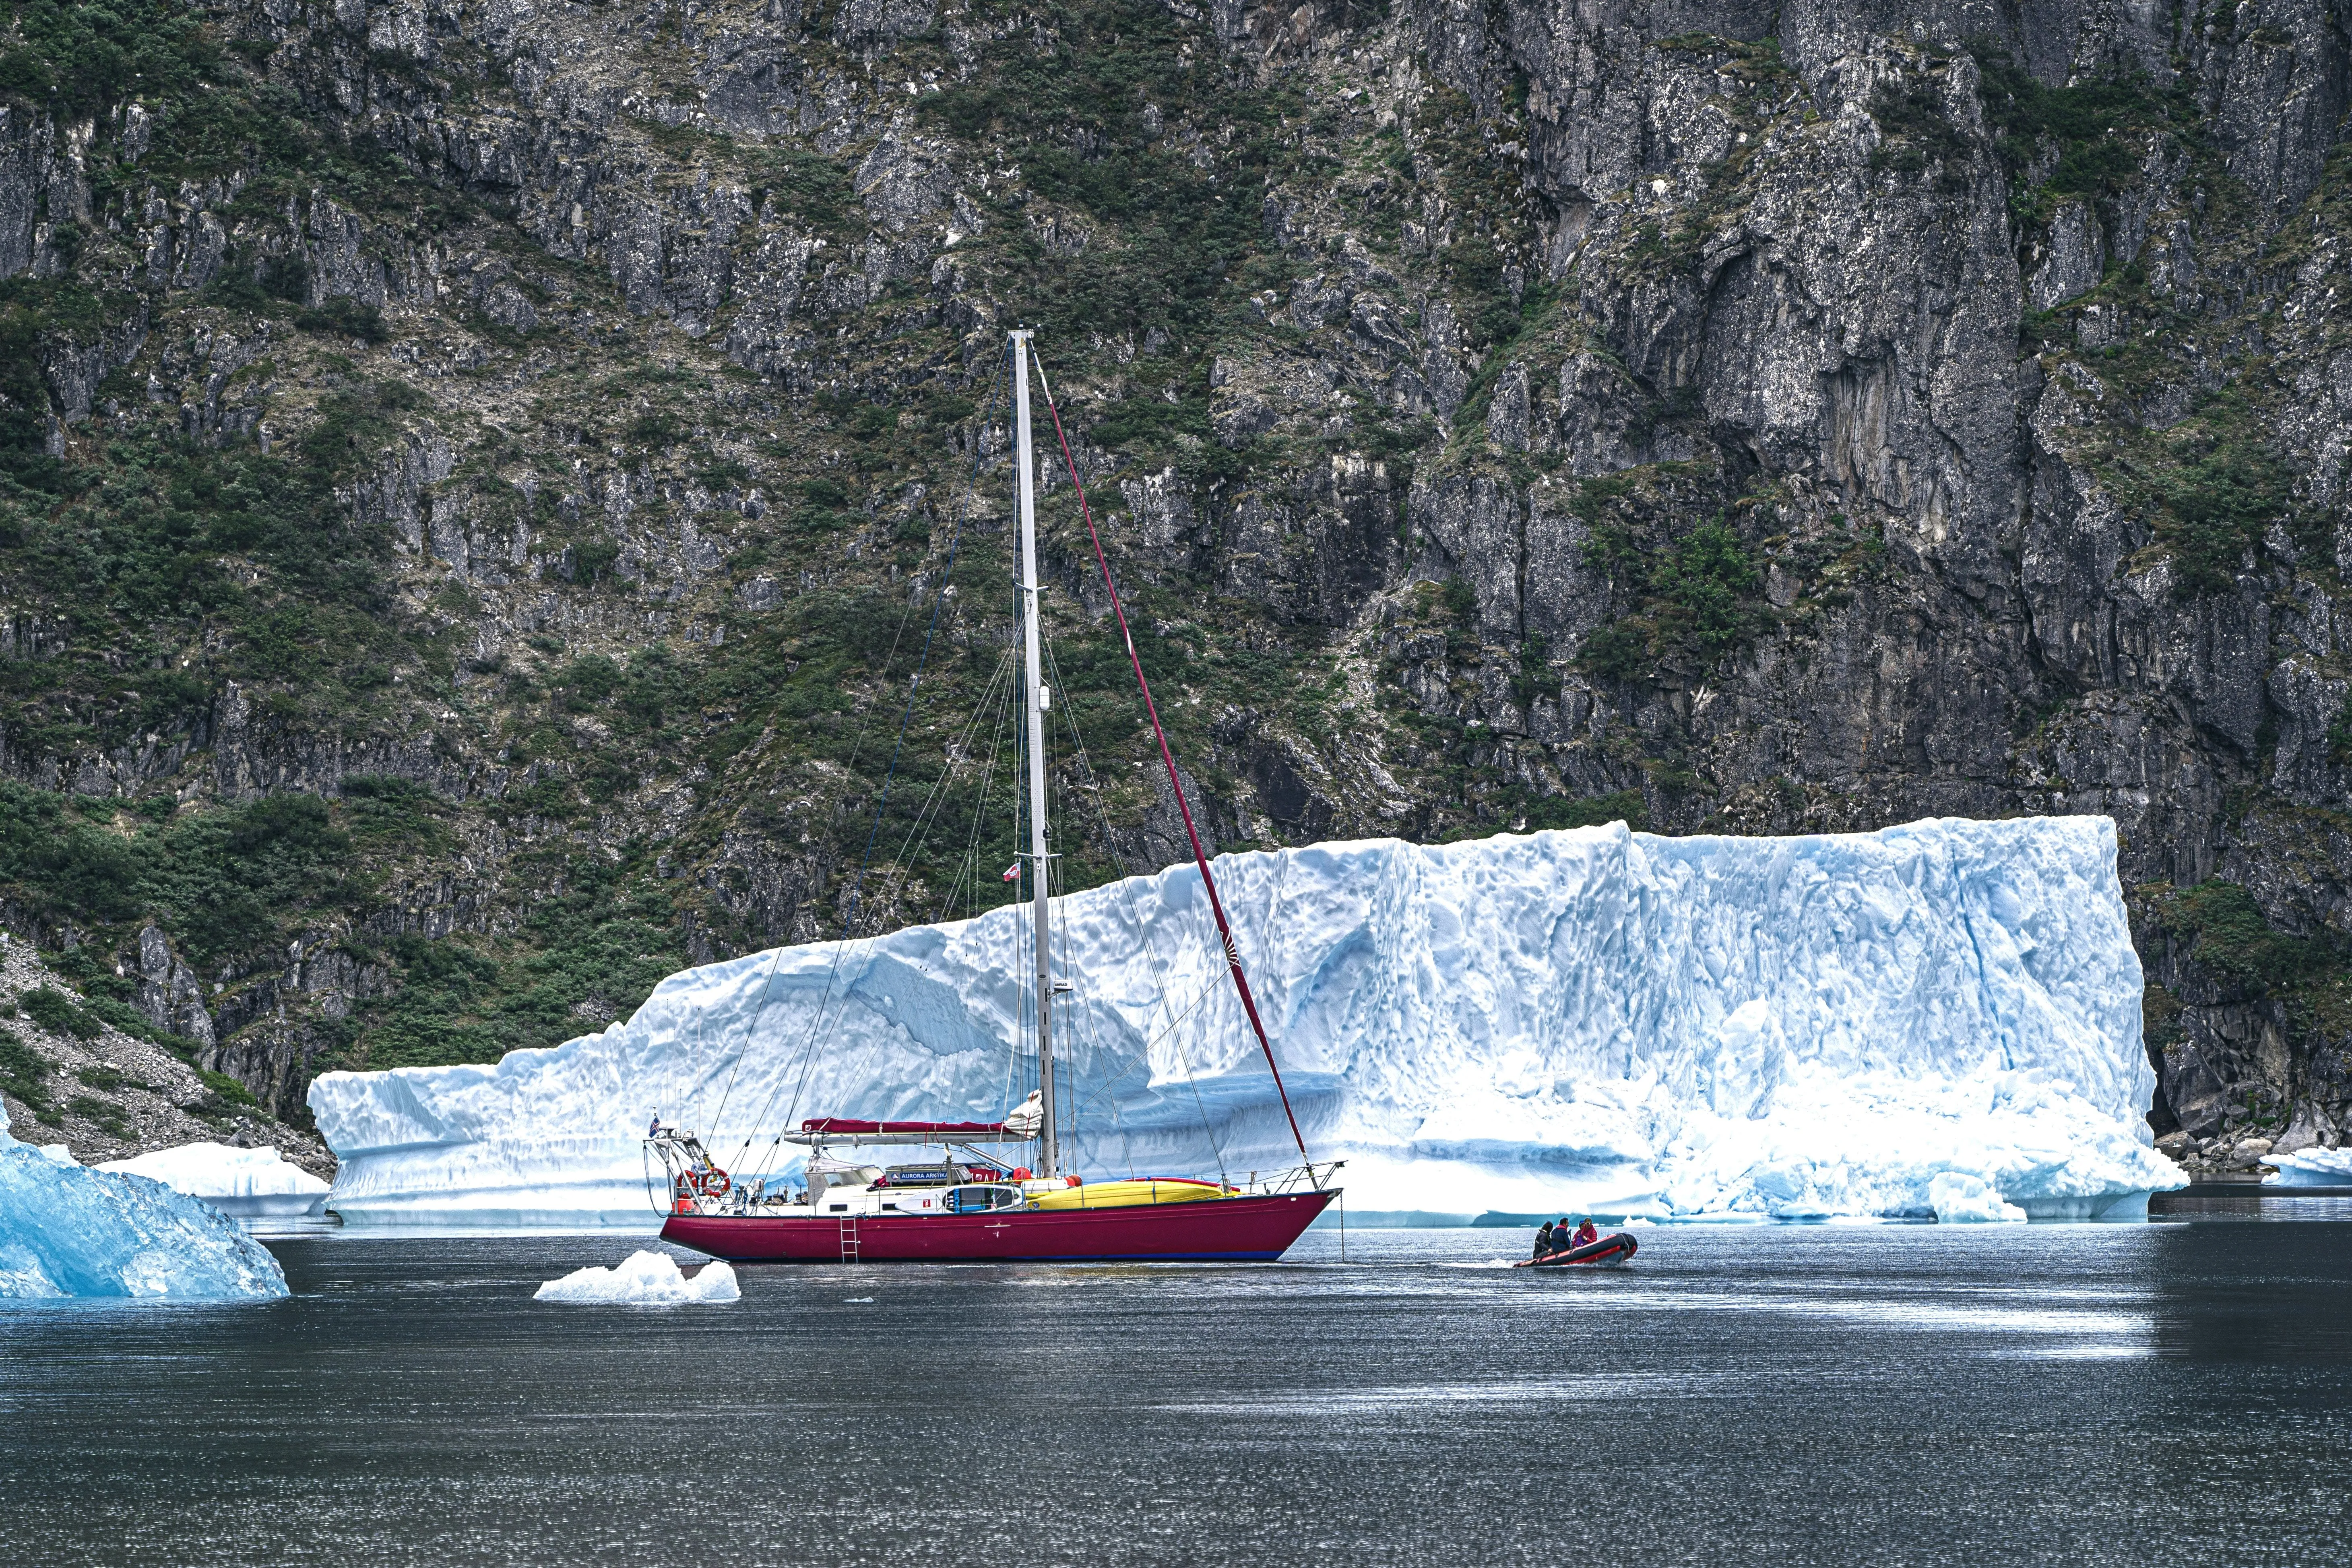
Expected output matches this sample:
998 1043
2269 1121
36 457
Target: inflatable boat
1606 1253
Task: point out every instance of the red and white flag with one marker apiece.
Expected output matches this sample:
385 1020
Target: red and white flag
1013 872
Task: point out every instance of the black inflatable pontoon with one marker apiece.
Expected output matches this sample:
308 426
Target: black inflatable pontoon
1606 1253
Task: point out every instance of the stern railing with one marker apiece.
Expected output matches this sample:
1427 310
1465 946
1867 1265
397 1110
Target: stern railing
1310 1177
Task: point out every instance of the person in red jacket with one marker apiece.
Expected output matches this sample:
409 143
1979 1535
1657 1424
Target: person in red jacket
1586 1235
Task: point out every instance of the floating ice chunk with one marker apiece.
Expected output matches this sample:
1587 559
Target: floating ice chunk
1959 1199
67 1231
248 1181
644 1280
1565 1022
2313 1167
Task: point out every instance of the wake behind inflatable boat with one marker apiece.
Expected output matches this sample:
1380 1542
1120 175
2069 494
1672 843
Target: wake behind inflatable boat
1606 1253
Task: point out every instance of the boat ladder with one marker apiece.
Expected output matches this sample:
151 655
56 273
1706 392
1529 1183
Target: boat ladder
849 1239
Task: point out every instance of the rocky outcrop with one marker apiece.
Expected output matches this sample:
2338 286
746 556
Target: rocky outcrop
107 1094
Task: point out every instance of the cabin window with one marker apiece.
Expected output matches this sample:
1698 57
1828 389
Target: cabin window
981 1200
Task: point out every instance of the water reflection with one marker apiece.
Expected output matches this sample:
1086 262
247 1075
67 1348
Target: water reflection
2003 1395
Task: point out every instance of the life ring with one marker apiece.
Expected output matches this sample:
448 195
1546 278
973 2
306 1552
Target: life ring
713 1182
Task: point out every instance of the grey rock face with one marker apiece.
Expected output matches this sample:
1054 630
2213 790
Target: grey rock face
1540 293
2192 1092
26 144
169 992
73 369
864 23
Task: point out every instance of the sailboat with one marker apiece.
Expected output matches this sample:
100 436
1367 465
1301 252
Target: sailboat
979 1204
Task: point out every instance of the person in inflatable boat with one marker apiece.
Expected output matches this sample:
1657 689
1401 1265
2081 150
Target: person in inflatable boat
1586 1235
1543 1238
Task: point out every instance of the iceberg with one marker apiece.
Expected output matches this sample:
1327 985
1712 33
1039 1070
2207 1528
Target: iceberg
2312 1167
644 1280
246 1183
66 1231
1587 1020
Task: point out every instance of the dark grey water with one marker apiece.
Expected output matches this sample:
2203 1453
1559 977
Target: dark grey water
2064 1395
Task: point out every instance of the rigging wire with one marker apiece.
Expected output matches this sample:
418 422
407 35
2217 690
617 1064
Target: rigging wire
856 750
971 862
1077 1017
914 687
872 1045
744 1047
1200 858
849 915
1024 936
935 802
1149 942
701 1085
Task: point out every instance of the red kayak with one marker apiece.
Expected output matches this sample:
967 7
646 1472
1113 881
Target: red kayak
1606 1253
1252 1229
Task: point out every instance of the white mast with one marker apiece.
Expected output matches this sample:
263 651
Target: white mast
1038 695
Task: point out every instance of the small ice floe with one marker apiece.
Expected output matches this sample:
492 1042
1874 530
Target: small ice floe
2312 1167
857 1300
1959 1199
645 1279
249 1182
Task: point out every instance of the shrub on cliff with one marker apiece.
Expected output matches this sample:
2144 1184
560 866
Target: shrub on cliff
53 1010
1700 599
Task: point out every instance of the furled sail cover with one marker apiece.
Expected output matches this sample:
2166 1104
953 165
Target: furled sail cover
1025 1119
847 1125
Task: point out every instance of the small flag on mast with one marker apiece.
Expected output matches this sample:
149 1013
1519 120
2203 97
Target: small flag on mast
1013 872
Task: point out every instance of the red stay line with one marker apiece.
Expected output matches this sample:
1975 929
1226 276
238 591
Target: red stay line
1225 932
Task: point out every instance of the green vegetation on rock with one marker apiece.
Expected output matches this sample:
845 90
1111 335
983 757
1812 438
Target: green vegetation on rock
55 1011
1171 232
1596 811
467 557
24 1075
2090 135
1700 598
2312 976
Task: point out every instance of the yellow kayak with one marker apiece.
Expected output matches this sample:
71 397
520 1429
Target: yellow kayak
1129 1194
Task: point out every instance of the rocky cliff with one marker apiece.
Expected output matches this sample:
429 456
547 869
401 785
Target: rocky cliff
480 475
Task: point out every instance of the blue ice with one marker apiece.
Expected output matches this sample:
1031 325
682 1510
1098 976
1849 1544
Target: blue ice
67 1231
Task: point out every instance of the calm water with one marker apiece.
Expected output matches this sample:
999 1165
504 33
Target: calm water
2064 1394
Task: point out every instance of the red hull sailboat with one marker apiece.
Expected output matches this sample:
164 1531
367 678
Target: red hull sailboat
1248 1228
972 1207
